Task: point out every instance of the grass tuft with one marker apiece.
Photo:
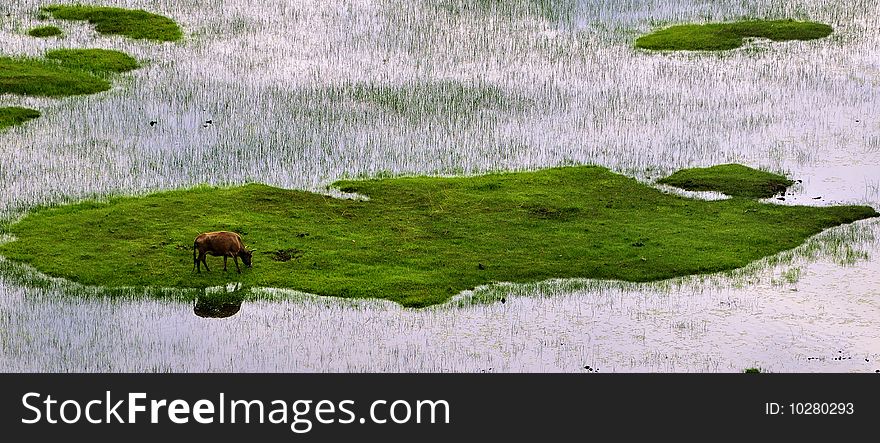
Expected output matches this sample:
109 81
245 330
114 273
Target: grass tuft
24 76
45 31
13 115
732 179
94 60
723 36
420 240
137 24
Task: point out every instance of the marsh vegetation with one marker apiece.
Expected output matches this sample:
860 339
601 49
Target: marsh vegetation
562 85
421 240
722 36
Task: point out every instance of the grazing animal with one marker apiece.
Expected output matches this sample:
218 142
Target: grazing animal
223 243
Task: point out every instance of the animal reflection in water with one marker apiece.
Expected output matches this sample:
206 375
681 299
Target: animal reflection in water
217 307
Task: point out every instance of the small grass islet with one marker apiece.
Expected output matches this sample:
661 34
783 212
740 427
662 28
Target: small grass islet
724 36
132 23
14 115
94 60
731 179
45 31
46 78
419 240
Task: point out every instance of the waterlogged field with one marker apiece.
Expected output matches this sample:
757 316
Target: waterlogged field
301 94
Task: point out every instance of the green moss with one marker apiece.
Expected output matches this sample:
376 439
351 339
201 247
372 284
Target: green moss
752 370
420 240
96 60
732 179
45 31
137 24
24 76
722 36
12 116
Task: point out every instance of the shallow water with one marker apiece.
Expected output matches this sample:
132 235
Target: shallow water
264 73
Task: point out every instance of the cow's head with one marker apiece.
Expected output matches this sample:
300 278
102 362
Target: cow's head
246 257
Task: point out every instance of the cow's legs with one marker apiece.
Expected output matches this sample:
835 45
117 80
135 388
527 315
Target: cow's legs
225 257
235 257
202 259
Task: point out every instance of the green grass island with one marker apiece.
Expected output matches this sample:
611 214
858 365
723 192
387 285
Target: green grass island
731 179
101 61
62 73
416 241
15 115
45 31
724 36
132 23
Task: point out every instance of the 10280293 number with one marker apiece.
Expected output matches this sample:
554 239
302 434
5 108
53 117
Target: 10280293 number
821 408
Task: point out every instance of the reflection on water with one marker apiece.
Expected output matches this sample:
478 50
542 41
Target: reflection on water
209 307
820 318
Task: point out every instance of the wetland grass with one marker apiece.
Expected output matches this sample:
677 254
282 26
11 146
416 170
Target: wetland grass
418 240
46 78
94 60
730 179
723 36
14 115
45 31
132 23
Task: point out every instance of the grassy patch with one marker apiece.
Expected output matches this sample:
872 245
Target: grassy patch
722 36
420 240
11 116
46 78
137 24
95 60
733 180
45 31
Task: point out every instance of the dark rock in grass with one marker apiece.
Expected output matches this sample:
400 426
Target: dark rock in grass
284 255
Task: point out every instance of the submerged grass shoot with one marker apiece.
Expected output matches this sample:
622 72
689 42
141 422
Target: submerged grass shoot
14 115
417 241
133 23
723 36
731 179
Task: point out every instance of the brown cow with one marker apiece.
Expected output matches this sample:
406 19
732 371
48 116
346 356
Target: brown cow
223 243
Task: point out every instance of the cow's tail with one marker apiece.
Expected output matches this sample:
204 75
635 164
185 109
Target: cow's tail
195 247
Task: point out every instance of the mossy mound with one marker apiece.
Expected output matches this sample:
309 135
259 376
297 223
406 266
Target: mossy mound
723 36
417 240
13 115
45 31
25 76
94 60
732 179
137 24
